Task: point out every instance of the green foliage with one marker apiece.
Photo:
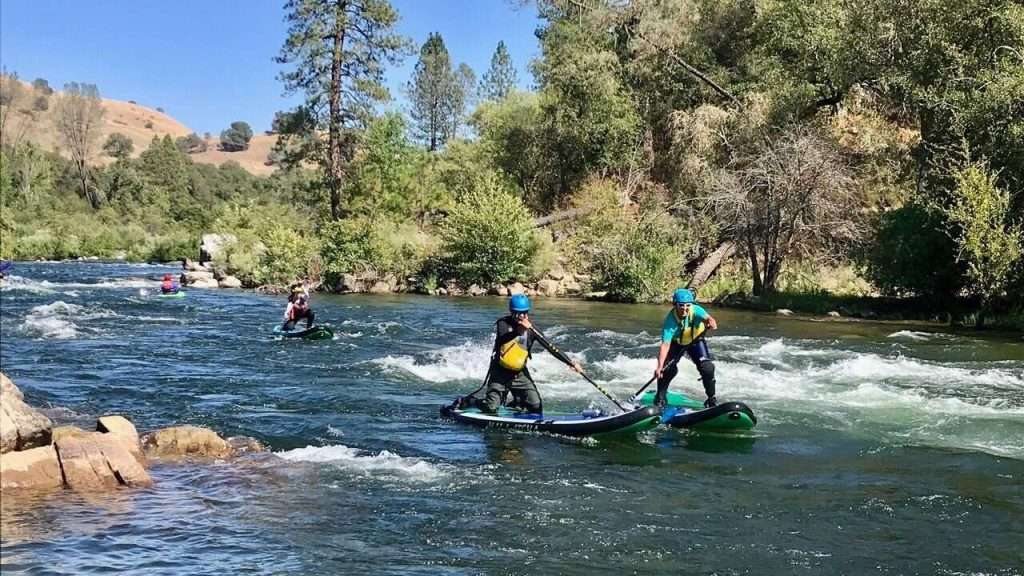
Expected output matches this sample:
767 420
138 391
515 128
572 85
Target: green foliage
635 258
118 146
338 53
236 138
387 172
287 256
436 93
913 254
989 243
488 235
501 78
191 144
513 134
350 246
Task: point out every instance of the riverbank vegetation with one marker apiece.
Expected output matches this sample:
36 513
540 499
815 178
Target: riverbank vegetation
789 140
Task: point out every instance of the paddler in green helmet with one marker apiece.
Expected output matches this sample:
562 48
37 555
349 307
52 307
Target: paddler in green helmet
514 337
683 333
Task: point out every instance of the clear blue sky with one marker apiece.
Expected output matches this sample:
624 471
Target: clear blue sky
209 62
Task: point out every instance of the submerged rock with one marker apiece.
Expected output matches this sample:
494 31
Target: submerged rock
245 445
37 468
21 426
182 441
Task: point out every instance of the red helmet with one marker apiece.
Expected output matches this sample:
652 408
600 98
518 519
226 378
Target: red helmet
167 276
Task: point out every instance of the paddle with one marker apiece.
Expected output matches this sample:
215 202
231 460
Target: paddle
649 382
568 362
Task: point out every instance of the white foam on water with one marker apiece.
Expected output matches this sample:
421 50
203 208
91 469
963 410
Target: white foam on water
57 319
19 283
364 463
921 336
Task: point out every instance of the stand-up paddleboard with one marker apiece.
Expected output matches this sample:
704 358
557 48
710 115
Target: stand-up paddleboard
318 332
684 412
178 294
585 423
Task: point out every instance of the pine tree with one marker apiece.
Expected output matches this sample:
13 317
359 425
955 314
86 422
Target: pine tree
501 78
435 93
339 49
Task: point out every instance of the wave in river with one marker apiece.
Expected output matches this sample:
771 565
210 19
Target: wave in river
361 462
57 320
19 283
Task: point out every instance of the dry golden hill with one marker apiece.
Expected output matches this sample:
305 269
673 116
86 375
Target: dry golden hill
135 121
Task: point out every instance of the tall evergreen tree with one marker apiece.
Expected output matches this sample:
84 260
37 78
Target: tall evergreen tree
501 78
436 94
338 49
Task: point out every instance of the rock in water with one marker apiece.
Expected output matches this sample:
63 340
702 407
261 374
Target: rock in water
179 441
37 468
21 426
99 462
121 428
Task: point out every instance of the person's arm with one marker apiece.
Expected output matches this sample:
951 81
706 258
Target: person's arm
288 311
712 325
662 356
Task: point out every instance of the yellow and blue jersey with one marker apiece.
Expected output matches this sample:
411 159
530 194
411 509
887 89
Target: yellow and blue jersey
684 329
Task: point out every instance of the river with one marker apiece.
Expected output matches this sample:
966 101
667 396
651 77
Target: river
880 448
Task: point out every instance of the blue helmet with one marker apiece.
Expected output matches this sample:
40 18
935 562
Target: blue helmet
519 303
683 296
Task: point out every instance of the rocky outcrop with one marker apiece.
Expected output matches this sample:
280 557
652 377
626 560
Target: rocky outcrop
21 426
199 279
548 287
36 468
185 441
229 282
214 246
122 429
99 461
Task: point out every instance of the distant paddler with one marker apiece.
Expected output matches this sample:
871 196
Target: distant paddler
169 285
514 338
298 307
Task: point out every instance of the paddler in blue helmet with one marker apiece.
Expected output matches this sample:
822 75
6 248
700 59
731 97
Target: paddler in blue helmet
514 337
683 333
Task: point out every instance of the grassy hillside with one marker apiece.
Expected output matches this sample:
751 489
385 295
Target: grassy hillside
137 122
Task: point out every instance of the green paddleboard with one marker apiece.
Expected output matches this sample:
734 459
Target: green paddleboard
170 295
684 412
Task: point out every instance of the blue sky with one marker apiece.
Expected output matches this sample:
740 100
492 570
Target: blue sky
209 62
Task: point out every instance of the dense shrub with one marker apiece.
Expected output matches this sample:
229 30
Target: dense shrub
236 138
287 256
488 235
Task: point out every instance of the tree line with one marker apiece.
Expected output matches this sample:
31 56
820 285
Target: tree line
790 134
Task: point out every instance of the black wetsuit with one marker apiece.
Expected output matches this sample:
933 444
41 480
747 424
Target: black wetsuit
501 381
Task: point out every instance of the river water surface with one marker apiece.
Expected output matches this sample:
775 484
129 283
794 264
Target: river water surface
881 448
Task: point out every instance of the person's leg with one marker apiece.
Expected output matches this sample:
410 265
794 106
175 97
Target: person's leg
668 373
702 359
494 395
309 318
525 393
288 325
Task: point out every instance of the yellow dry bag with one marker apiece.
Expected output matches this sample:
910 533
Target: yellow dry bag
512 356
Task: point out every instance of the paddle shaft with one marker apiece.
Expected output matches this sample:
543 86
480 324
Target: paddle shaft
561 356
653 378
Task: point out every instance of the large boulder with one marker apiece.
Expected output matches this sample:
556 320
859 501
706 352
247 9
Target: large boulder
99 461
36 468
476 290
350 283
548 287
229 282
121 428
182 441
516 288
215 245
21 426
380 287
199 279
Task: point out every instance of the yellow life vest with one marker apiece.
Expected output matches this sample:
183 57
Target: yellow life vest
687 331
512 356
